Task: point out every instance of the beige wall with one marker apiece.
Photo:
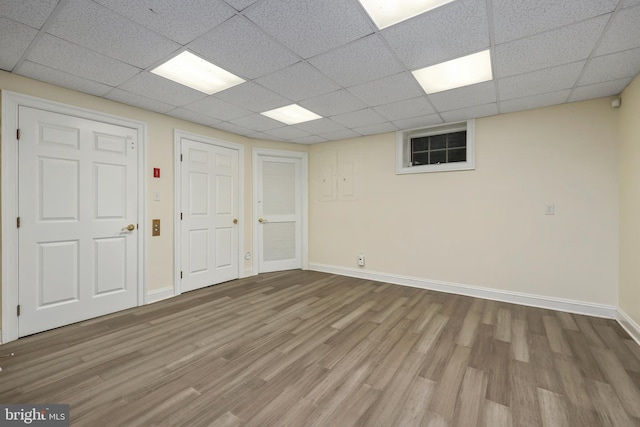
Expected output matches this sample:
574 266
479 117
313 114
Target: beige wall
160 133
629 292
485 227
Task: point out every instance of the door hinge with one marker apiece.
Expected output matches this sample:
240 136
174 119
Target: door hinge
18 310
180 157
18 134
180 216
18 222
181 274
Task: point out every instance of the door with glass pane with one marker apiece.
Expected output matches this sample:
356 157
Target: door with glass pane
279 213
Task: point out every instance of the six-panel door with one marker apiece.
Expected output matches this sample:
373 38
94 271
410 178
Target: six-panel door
77 195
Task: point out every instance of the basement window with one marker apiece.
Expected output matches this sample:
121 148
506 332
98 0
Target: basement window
441 148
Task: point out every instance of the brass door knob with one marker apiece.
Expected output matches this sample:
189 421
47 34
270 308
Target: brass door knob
129 227
262 220
235 220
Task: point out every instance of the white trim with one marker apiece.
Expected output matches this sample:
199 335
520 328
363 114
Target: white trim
9 153
248 272
628 324
540 301
403 148
304 188
160 294
177 188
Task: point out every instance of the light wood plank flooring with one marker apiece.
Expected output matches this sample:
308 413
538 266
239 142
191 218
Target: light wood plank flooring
304 348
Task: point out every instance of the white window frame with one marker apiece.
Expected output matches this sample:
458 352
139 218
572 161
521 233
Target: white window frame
403 148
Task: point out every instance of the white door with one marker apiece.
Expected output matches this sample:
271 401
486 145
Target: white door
209 206
279 210
77 184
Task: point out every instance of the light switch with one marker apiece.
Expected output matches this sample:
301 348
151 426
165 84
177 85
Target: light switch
155 227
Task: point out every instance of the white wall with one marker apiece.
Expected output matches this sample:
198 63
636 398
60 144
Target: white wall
485 227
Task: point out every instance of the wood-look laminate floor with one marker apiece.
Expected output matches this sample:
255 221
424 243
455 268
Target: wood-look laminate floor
304 348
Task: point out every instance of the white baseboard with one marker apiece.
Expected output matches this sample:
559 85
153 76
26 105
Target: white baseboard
540 301
160 294
629 325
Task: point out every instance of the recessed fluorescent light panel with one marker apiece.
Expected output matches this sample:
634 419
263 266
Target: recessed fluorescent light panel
456 73
291 114
385 13
193 71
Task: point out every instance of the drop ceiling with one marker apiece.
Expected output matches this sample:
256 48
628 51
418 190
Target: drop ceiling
326 56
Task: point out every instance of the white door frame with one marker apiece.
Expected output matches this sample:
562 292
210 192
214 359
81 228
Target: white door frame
304 188
177 201
10 103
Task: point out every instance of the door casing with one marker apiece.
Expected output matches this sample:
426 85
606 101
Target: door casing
178 135
9 149
304 187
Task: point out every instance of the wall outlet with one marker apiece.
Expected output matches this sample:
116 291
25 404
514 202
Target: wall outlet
550 209
361 260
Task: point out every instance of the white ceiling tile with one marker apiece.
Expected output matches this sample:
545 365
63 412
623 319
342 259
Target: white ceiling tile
14 41
192 116
451 31
253 96
544 51
320 126
406 109
313 139
520 18
60 78
139 101
161 89
246 50
310 27
470 113
33 13
599 90
360 118
623 33
264 135
468 96
288 133
537 82
341 134
179 21
358 62
333 103
376 129
418 122
629 3
230 127
611 67
387 89
76 60
257 122
536 101
240 4
99 29
298 81
214 107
